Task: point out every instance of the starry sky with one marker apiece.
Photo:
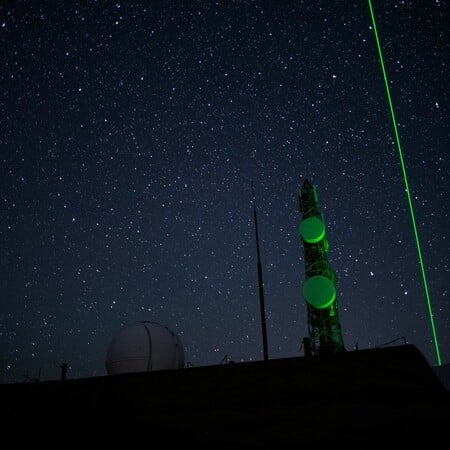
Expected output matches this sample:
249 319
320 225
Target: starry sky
131 133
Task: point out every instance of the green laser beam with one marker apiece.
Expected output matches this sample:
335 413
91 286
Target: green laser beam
408 194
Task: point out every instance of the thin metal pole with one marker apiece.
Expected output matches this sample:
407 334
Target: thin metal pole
260 283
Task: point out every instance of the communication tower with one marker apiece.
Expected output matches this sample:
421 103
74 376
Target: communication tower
319 288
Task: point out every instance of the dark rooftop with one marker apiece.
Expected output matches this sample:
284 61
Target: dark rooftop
374 398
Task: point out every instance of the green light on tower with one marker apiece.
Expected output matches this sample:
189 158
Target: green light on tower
319 292
312 230
408 194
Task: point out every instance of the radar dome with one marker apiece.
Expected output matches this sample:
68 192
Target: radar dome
144 347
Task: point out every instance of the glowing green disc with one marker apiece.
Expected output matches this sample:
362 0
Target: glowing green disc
319 292
312 230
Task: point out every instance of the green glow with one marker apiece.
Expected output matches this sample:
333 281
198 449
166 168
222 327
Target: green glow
319 292
312 230
400 153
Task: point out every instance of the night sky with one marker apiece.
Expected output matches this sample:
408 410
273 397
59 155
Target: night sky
131 133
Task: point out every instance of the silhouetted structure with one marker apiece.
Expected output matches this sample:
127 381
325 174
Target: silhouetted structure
63 371
377 398
319 289
260 284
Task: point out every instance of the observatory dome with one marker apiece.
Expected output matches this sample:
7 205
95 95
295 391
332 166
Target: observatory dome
144 347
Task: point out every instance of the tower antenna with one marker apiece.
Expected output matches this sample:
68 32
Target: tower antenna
319 289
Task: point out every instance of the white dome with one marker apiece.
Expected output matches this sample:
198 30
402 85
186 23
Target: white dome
144 347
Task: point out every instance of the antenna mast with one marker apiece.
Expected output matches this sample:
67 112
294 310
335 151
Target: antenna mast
260 283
